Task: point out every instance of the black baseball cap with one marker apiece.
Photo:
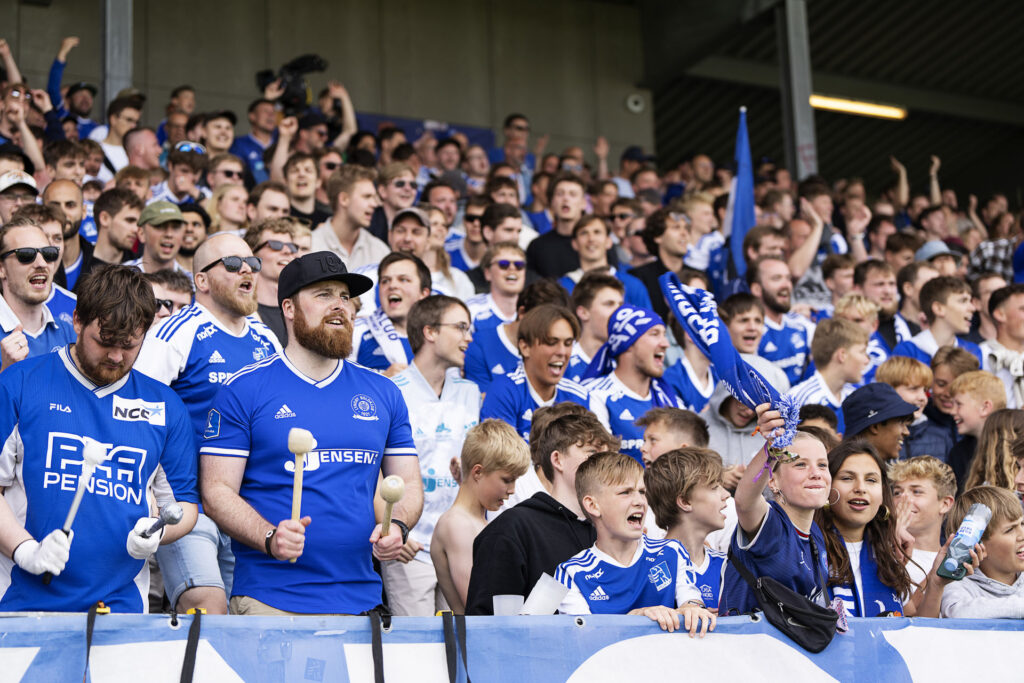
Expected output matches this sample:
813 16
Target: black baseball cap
315 267
81 85
636 153
872 404
311 119
220 114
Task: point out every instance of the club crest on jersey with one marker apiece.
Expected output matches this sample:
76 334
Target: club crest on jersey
363 408
264 350
660 576
137 410
212 425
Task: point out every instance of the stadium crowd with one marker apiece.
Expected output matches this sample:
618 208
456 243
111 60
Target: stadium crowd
488 325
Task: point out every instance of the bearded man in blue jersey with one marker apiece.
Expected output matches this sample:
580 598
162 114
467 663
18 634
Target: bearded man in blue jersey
361 425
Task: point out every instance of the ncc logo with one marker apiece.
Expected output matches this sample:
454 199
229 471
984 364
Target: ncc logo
137 410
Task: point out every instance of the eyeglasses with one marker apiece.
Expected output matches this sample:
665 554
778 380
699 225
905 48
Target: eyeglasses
17 94
463 328
505 264
18 197
232 174
624 216
402 183
521 127
188 146
233 264
165 303
27 255
332 165
278 245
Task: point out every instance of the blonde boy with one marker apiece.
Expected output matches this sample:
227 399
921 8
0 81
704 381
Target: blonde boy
976 395
493 457
684 489
996 589
929 487
625 572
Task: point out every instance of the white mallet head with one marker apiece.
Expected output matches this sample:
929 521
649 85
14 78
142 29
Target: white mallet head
93 453
392 489
300 441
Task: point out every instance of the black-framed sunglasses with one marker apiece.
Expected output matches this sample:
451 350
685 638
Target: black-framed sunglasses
233 264
189 146
165 303
624 216
232 173
27 255
332 165
505 264
470 218
278 245
402 183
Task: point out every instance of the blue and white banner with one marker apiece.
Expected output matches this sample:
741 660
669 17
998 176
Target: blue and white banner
592 649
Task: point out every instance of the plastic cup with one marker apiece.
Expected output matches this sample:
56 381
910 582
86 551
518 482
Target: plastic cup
545 597
507 605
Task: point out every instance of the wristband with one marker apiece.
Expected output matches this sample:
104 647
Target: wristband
404 528
267 541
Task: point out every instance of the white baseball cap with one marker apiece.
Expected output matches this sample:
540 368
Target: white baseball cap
9 179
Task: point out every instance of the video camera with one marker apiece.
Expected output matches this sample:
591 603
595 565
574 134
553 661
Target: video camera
297 96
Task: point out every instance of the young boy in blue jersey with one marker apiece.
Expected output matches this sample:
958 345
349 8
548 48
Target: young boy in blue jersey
684 489
493 457
596 296
947 306
380 339
626 572
787 337
494 351
51 406
546 337
840 355
27 264
636 347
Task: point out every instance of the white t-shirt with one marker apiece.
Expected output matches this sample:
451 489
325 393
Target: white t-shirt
924 558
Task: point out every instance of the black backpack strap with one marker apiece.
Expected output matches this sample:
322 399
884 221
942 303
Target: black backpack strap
380 619
743 571
460 631
817 568
188 666
450 646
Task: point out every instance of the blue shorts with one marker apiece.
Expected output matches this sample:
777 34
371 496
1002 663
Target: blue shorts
202 557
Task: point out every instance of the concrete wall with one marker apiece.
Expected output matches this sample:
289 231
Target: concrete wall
568 64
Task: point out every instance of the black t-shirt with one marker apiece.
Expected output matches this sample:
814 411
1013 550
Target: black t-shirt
649 274
274 319
318 216
552 255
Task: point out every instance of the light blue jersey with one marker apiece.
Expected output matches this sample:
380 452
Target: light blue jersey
659 574
47 408
512 399
357 418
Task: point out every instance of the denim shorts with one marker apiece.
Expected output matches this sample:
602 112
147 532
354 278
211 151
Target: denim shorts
202 557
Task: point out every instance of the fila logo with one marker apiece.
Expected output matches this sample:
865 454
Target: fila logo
208 331
137 410
284 412
626 415
61 408
215 357
598 594
769 347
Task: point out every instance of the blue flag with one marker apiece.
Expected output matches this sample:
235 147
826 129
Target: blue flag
740 212
697 311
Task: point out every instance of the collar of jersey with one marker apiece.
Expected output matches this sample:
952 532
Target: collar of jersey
99 391
8 321
322 383
692 374
925 341
620 385
605 557
535 396
209 317
512 348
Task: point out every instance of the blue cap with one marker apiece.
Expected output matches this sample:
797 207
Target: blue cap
933 248
871 404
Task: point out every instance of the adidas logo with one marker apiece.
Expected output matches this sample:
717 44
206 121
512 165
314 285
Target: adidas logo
769 347
215 357
284 412
598 594
528 415
498 370
626 415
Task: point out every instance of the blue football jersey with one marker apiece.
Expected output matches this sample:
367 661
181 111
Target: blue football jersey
47 408
357 418
62 305
53 335
194 353
788 345
578 363
484 312
708 576
512 399
371 355
459 258
87 228
617 407
660 574
814 391
490 355
922 346
779 550
683 380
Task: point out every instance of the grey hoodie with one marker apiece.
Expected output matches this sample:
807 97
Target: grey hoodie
979 597
734 444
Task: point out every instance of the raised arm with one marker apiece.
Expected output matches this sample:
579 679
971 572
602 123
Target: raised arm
934 191
801 259
286 130
339 92
601 152
13 74
902 184
751 507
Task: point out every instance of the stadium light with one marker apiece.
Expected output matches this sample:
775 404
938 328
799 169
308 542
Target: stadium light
882 111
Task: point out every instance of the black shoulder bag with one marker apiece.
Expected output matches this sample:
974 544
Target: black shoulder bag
806 623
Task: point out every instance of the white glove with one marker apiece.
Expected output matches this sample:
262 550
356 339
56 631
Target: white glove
49 556
141 548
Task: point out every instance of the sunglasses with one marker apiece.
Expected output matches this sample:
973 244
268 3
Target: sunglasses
165 303
27 255
505 264
232 174
469 218
332 165
233 264
278 245
187 146
624 216
402 183
520 127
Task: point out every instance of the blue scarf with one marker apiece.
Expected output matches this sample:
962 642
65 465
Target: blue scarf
625 326
876 597
697 311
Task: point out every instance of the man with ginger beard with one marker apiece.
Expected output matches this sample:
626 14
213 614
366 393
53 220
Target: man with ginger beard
194 351
360 425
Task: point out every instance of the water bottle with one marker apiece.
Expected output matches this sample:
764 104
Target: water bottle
967 536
